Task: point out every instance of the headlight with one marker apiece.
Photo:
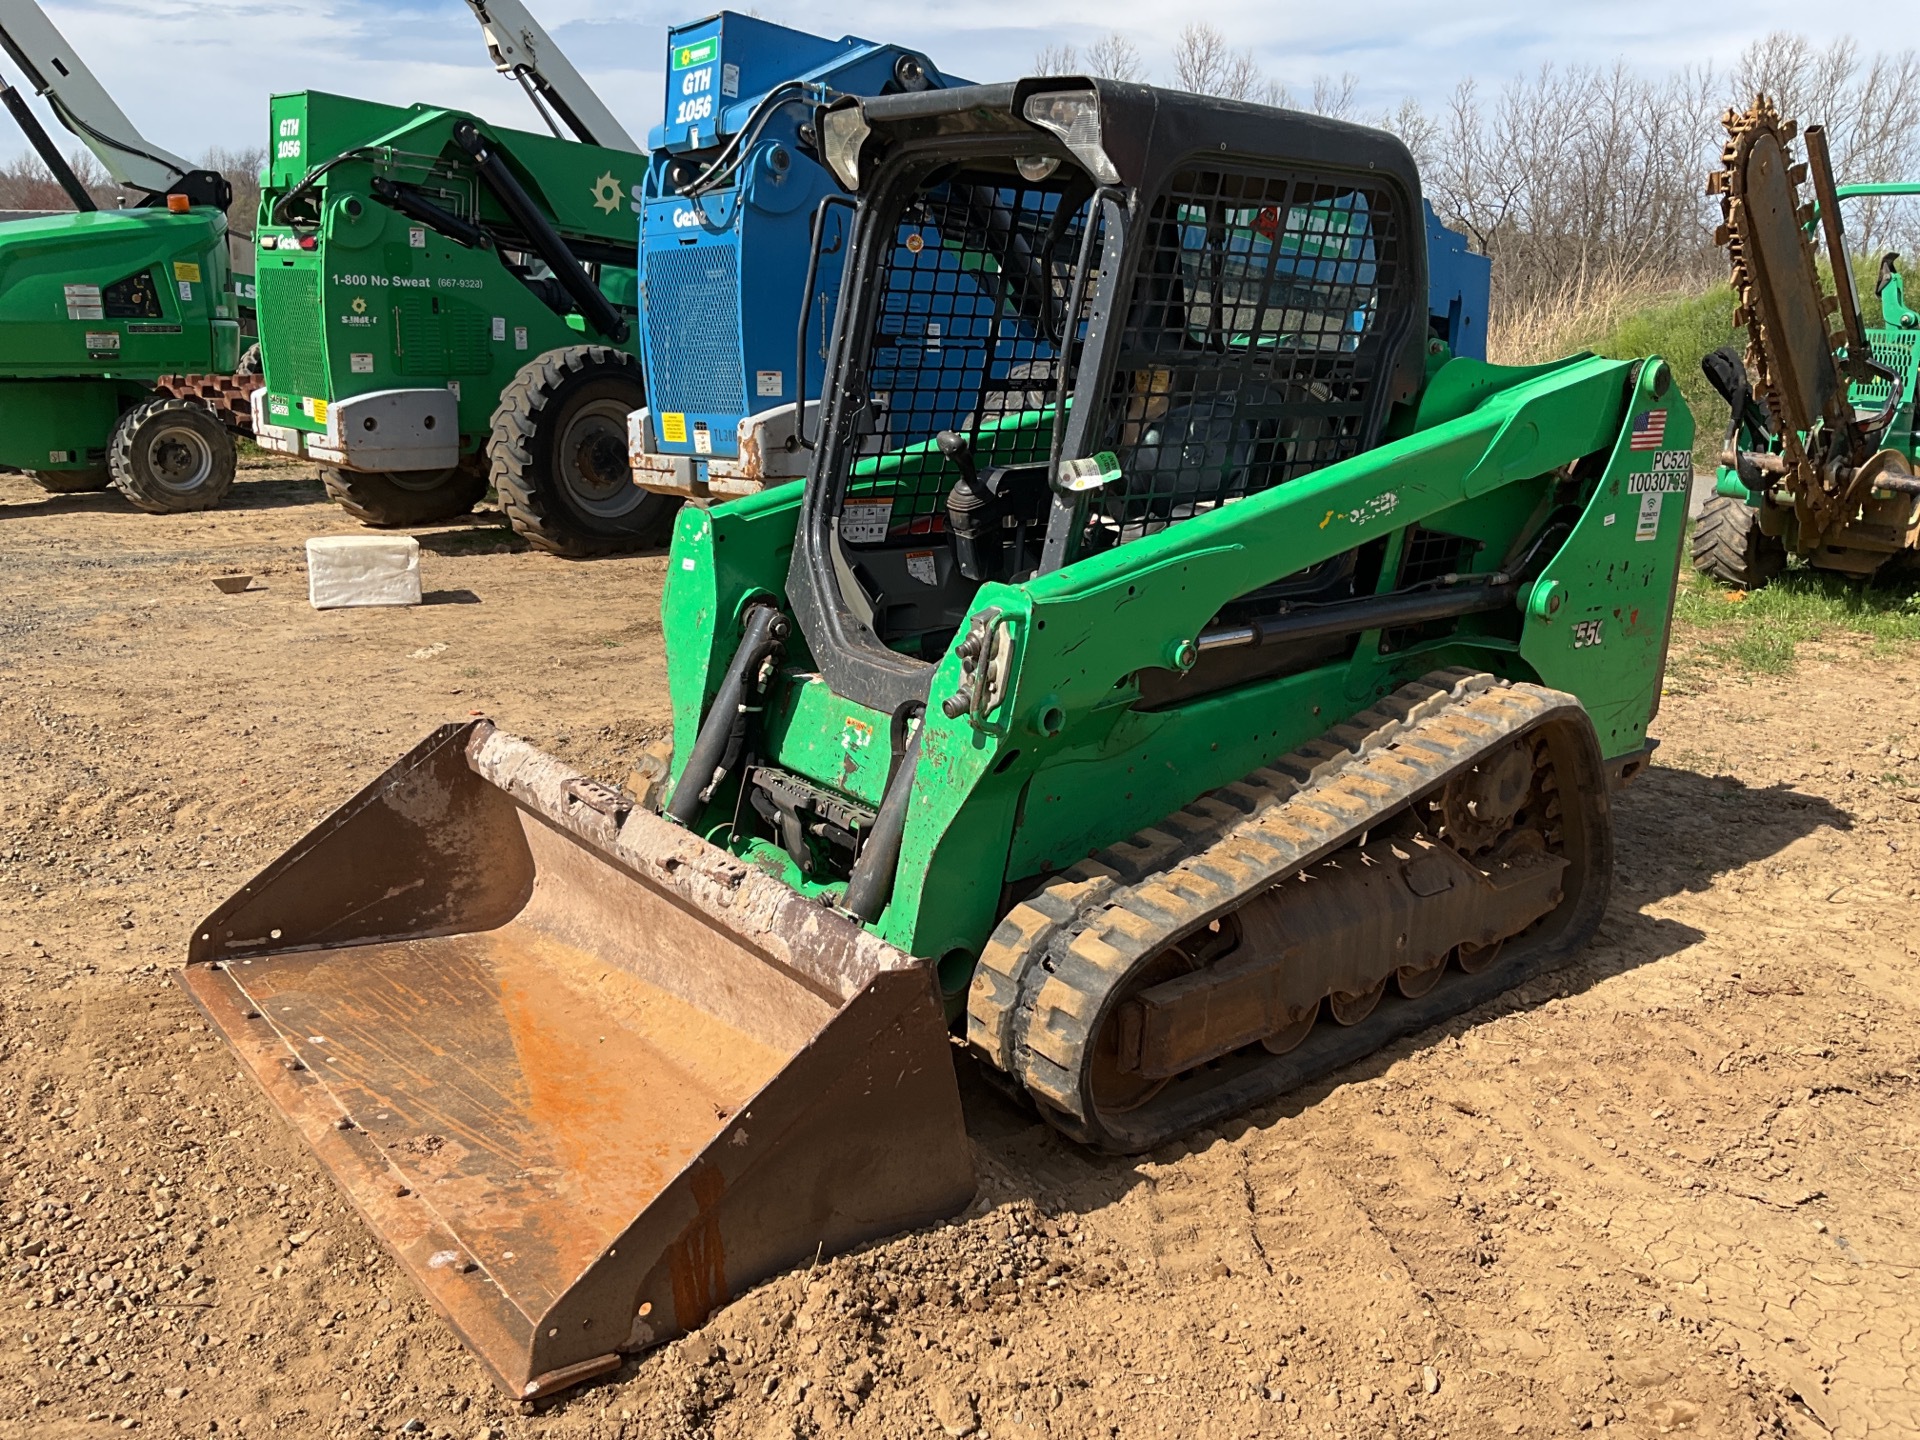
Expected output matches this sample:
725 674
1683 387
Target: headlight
1074 115
843 130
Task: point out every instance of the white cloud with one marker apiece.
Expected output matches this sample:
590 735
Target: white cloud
199 74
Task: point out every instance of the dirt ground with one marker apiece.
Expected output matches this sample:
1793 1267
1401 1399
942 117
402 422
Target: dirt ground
1669 1190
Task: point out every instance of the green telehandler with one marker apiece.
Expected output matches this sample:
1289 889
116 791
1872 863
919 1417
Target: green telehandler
449 303
99 305
1176 678
1823 437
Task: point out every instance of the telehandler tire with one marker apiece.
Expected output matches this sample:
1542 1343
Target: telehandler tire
559 455
170 456
250 362
388 499
72 482
1729 545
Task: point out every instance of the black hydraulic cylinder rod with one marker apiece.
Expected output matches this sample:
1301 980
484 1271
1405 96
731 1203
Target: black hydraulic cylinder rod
597 310
416 206
48 152
723 731
1374 612
871 884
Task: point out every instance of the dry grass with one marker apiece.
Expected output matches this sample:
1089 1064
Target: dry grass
1577 316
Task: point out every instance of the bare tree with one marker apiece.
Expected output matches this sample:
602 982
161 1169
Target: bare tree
1115 57
1199 58
242 169
26 184
1870 110
1204 63
1334 97
1061 59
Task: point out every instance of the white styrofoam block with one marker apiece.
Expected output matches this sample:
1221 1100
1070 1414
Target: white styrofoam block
363 570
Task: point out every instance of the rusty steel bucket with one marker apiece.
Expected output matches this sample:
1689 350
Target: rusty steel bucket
586 1075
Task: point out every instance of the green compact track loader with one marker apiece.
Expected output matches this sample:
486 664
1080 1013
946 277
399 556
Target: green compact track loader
1176 678
99 305
1820 451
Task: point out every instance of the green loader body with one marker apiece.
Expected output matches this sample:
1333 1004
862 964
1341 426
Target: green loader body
1070 759
400 299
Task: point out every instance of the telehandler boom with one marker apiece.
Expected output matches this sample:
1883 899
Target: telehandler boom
1179 681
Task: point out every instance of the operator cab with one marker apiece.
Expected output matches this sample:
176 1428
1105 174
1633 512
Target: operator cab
1077 312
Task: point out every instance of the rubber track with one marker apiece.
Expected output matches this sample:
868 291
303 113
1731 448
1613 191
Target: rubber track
1049 967
1728 545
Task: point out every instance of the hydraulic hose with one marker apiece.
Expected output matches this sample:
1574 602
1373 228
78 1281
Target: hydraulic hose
723 732
597 310
871 884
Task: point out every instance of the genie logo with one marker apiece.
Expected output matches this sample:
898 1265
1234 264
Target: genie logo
688 219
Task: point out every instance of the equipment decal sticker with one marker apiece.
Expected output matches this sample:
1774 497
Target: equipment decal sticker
855 734
685 57
499 327
702 438
921 567
186 270
769 383
360 362
1587 633
1649 430
673 427
83 303
519 337
186 289
417 236
1649 526
864 522
1380 506
1672 474
103 342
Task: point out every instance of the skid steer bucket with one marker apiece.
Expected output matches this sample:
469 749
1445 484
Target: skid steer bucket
586 1075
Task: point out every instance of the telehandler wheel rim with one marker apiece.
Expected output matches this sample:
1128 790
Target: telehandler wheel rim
1351 1009
179 458
593 465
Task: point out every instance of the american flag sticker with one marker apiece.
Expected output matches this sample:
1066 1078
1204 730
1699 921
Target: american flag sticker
1649 430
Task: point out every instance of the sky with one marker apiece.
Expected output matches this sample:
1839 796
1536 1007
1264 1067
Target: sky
195 75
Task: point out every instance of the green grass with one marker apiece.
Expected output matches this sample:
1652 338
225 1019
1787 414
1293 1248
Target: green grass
1685 329
1760 631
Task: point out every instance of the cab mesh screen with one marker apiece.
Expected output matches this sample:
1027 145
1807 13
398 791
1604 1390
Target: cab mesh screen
1258 340
967 334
